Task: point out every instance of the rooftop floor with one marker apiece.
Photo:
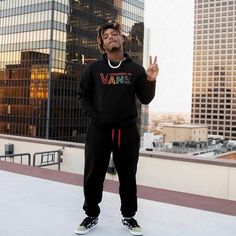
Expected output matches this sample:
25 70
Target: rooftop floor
33 206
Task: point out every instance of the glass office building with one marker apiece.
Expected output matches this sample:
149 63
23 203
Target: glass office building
214 67
44 46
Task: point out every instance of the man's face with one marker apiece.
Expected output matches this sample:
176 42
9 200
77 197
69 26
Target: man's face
112 40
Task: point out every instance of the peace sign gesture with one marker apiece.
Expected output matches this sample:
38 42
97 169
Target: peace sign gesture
153 69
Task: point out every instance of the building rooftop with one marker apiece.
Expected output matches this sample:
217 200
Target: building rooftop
41 202
192 126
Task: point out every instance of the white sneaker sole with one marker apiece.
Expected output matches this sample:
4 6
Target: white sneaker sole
80 232
133 232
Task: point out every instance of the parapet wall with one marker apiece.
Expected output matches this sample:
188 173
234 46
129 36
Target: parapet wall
202 176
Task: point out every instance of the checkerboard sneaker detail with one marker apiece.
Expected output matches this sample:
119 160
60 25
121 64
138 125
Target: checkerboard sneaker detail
87 224
132 225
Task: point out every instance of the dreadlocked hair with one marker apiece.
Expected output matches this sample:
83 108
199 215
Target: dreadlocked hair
110 24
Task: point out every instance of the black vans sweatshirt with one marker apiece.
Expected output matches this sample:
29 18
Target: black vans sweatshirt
107 95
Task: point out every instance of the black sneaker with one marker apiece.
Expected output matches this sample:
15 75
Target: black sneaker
87 224
132 225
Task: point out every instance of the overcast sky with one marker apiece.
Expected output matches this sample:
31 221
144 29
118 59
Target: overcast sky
171 39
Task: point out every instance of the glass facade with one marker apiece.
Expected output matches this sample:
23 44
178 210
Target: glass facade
214 67
44 46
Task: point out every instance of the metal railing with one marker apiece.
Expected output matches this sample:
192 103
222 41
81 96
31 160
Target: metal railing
40 159
19 156
48 158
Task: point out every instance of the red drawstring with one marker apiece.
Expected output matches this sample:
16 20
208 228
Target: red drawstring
112 134
118 137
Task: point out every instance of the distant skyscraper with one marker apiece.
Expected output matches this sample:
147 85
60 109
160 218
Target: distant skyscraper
44 46
145 108
214 67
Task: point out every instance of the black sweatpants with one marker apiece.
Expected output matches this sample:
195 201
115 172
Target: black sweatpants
100 142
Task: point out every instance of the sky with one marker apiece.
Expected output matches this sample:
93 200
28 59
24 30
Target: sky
171 25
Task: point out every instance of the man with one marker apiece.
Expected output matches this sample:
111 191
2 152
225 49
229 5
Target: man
107 92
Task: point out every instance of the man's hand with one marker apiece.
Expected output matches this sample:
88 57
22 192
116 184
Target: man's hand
153 69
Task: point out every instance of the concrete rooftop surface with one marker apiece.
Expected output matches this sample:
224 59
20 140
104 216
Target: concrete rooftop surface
38 206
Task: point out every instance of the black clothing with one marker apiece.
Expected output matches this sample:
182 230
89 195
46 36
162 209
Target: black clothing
108 96
99 145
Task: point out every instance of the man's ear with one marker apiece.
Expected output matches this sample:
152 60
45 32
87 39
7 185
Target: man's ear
123 38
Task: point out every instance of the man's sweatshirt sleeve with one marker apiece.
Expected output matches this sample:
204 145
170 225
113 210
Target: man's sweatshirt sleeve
144 88
85 92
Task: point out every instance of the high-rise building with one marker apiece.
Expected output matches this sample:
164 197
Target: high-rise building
145 108
44 46
214 67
